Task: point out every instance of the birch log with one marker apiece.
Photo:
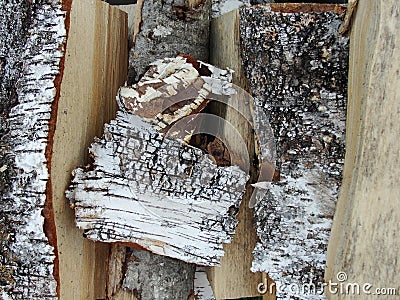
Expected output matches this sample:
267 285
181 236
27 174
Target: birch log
236 263
46 97
296 63
31 44
168 28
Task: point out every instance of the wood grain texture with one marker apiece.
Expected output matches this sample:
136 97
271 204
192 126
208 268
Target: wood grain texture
95 67
233 279
296 63
364 241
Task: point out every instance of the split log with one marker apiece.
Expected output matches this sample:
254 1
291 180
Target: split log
145 273
296 63
364 239
237 261
222 7
137 279
31 44
46 97
147 189
96 62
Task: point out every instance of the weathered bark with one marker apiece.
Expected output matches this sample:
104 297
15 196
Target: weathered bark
142 183
47 98
31 44
165 29
169 28
135 271
296 63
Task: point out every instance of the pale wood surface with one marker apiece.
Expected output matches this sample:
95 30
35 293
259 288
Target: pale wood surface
365 241
132 20
95 66
233 279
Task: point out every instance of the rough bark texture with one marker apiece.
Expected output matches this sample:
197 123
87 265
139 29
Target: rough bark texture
31 37
169 28
142 268
162 29
147 189
297 64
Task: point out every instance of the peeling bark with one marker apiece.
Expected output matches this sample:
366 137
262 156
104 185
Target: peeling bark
31 36
296 63
148 189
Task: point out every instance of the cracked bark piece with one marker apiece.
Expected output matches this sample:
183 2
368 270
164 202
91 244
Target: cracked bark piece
144 188
296 63
166 29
